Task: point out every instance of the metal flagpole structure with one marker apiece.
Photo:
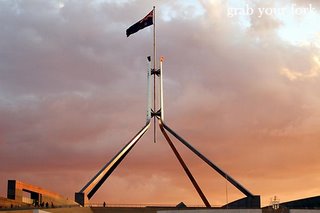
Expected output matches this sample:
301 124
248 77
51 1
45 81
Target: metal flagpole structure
154 75
161 89
149 107
87 192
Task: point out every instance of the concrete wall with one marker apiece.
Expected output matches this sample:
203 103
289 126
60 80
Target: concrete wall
304 210
57 210
245 203
70 210
305 203
8 203
16 188
146 210
212 211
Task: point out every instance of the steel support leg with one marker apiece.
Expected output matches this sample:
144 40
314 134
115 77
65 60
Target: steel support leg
94 184
222 173
192 179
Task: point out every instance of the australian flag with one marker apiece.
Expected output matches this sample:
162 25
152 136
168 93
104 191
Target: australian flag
145 22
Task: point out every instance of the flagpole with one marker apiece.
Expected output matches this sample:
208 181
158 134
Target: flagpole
154 76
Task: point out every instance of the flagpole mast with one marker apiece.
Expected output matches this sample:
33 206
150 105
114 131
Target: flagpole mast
154 76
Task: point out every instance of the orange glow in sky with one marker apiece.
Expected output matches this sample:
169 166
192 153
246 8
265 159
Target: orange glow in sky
242 89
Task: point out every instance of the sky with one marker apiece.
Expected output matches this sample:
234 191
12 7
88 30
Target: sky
241 84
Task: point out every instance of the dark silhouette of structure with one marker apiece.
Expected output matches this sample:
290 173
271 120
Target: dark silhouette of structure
81 197
86 193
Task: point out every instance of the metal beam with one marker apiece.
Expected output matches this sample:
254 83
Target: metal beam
192 179
94 184
222 173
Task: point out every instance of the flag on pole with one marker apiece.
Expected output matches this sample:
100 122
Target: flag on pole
145 22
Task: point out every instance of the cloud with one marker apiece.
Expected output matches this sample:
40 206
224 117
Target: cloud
72 93
307 3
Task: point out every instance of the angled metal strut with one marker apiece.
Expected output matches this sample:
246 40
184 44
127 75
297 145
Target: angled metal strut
216 168
192 179
94 184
